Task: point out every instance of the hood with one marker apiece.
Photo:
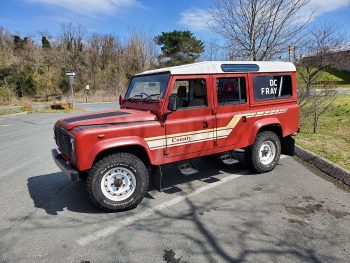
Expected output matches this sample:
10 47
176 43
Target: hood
107 117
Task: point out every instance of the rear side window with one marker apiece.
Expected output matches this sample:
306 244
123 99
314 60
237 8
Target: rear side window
231 90
270 87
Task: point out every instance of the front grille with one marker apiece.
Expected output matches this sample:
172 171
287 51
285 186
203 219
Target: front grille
63 141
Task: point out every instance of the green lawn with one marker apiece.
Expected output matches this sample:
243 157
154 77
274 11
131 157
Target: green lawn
341 77
333 138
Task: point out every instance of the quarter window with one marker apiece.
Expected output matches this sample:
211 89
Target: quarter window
231 90
272 87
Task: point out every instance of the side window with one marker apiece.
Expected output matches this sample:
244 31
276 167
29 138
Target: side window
231 91
272 87
191 93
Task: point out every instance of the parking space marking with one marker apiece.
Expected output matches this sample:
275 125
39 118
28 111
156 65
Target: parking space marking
83 241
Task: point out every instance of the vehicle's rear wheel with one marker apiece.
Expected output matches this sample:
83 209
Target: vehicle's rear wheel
118 182
265 153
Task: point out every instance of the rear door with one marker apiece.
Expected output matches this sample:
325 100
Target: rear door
231 107
191 128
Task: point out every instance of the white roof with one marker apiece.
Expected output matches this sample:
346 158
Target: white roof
212 67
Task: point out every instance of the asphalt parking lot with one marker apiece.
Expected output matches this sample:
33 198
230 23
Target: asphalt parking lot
223 214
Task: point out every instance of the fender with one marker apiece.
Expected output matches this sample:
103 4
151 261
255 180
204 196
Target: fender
88 159
261 123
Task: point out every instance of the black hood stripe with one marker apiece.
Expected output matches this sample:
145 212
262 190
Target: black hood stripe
94 116
85 127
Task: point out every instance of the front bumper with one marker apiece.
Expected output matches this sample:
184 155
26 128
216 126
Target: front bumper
68 170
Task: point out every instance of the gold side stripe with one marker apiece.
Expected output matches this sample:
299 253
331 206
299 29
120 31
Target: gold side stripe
231 125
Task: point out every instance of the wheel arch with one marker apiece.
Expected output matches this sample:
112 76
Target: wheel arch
134 149
269 124
133 145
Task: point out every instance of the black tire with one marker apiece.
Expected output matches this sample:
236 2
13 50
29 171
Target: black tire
103 169
269 139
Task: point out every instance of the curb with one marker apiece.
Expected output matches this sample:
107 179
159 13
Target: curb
324 165
14 114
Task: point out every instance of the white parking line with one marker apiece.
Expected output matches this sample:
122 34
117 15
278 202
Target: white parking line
150 211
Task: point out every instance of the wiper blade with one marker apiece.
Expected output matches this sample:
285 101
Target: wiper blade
134 97
151 95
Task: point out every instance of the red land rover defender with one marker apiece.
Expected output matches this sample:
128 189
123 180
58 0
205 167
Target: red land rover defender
172 115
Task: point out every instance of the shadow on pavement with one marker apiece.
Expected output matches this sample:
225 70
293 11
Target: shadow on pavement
53 192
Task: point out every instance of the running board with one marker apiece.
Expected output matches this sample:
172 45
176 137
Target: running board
187 167
226 158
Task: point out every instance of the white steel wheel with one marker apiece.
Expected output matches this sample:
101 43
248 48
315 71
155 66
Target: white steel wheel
118 184
267 152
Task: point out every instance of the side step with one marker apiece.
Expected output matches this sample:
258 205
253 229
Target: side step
227 158
187 167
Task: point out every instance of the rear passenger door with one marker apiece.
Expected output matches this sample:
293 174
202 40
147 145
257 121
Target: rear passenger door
231 101
191 127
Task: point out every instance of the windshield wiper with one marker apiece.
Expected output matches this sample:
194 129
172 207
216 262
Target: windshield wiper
134 97
151 95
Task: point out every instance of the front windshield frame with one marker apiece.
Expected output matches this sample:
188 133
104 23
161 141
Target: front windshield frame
163 79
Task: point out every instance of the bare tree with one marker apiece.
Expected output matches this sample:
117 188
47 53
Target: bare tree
259 29
322 51
213 51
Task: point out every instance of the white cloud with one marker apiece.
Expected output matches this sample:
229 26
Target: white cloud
199 19
323 6
195 19
91 7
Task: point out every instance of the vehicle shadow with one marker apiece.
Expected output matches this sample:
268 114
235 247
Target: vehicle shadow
54 192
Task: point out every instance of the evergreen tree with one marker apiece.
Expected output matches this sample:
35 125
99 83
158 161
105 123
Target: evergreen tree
179 47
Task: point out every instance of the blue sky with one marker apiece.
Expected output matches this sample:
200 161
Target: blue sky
27 17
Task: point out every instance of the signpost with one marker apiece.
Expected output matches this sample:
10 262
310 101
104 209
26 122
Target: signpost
87 88
71 76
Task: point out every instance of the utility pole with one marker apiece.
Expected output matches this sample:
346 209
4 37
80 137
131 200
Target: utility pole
291 52
71 76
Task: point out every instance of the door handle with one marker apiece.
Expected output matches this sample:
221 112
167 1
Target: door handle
205 124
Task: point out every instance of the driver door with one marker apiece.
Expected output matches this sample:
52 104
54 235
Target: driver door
191 127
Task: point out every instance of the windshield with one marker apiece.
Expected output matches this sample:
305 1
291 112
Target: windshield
148 86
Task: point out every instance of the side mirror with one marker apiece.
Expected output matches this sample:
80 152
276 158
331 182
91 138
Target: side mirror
172 106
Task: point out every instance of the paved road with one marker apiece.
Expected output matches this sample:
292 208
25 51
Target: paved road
84 106
224 214
344 91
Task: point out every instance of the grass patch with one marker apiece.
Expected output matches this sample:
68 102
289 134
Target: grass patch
7 112
48 110
333 138
340 77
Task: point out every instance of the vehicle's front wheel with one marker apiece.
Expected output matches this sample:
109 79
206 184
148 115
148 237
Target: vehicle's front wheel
118 182
265 153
